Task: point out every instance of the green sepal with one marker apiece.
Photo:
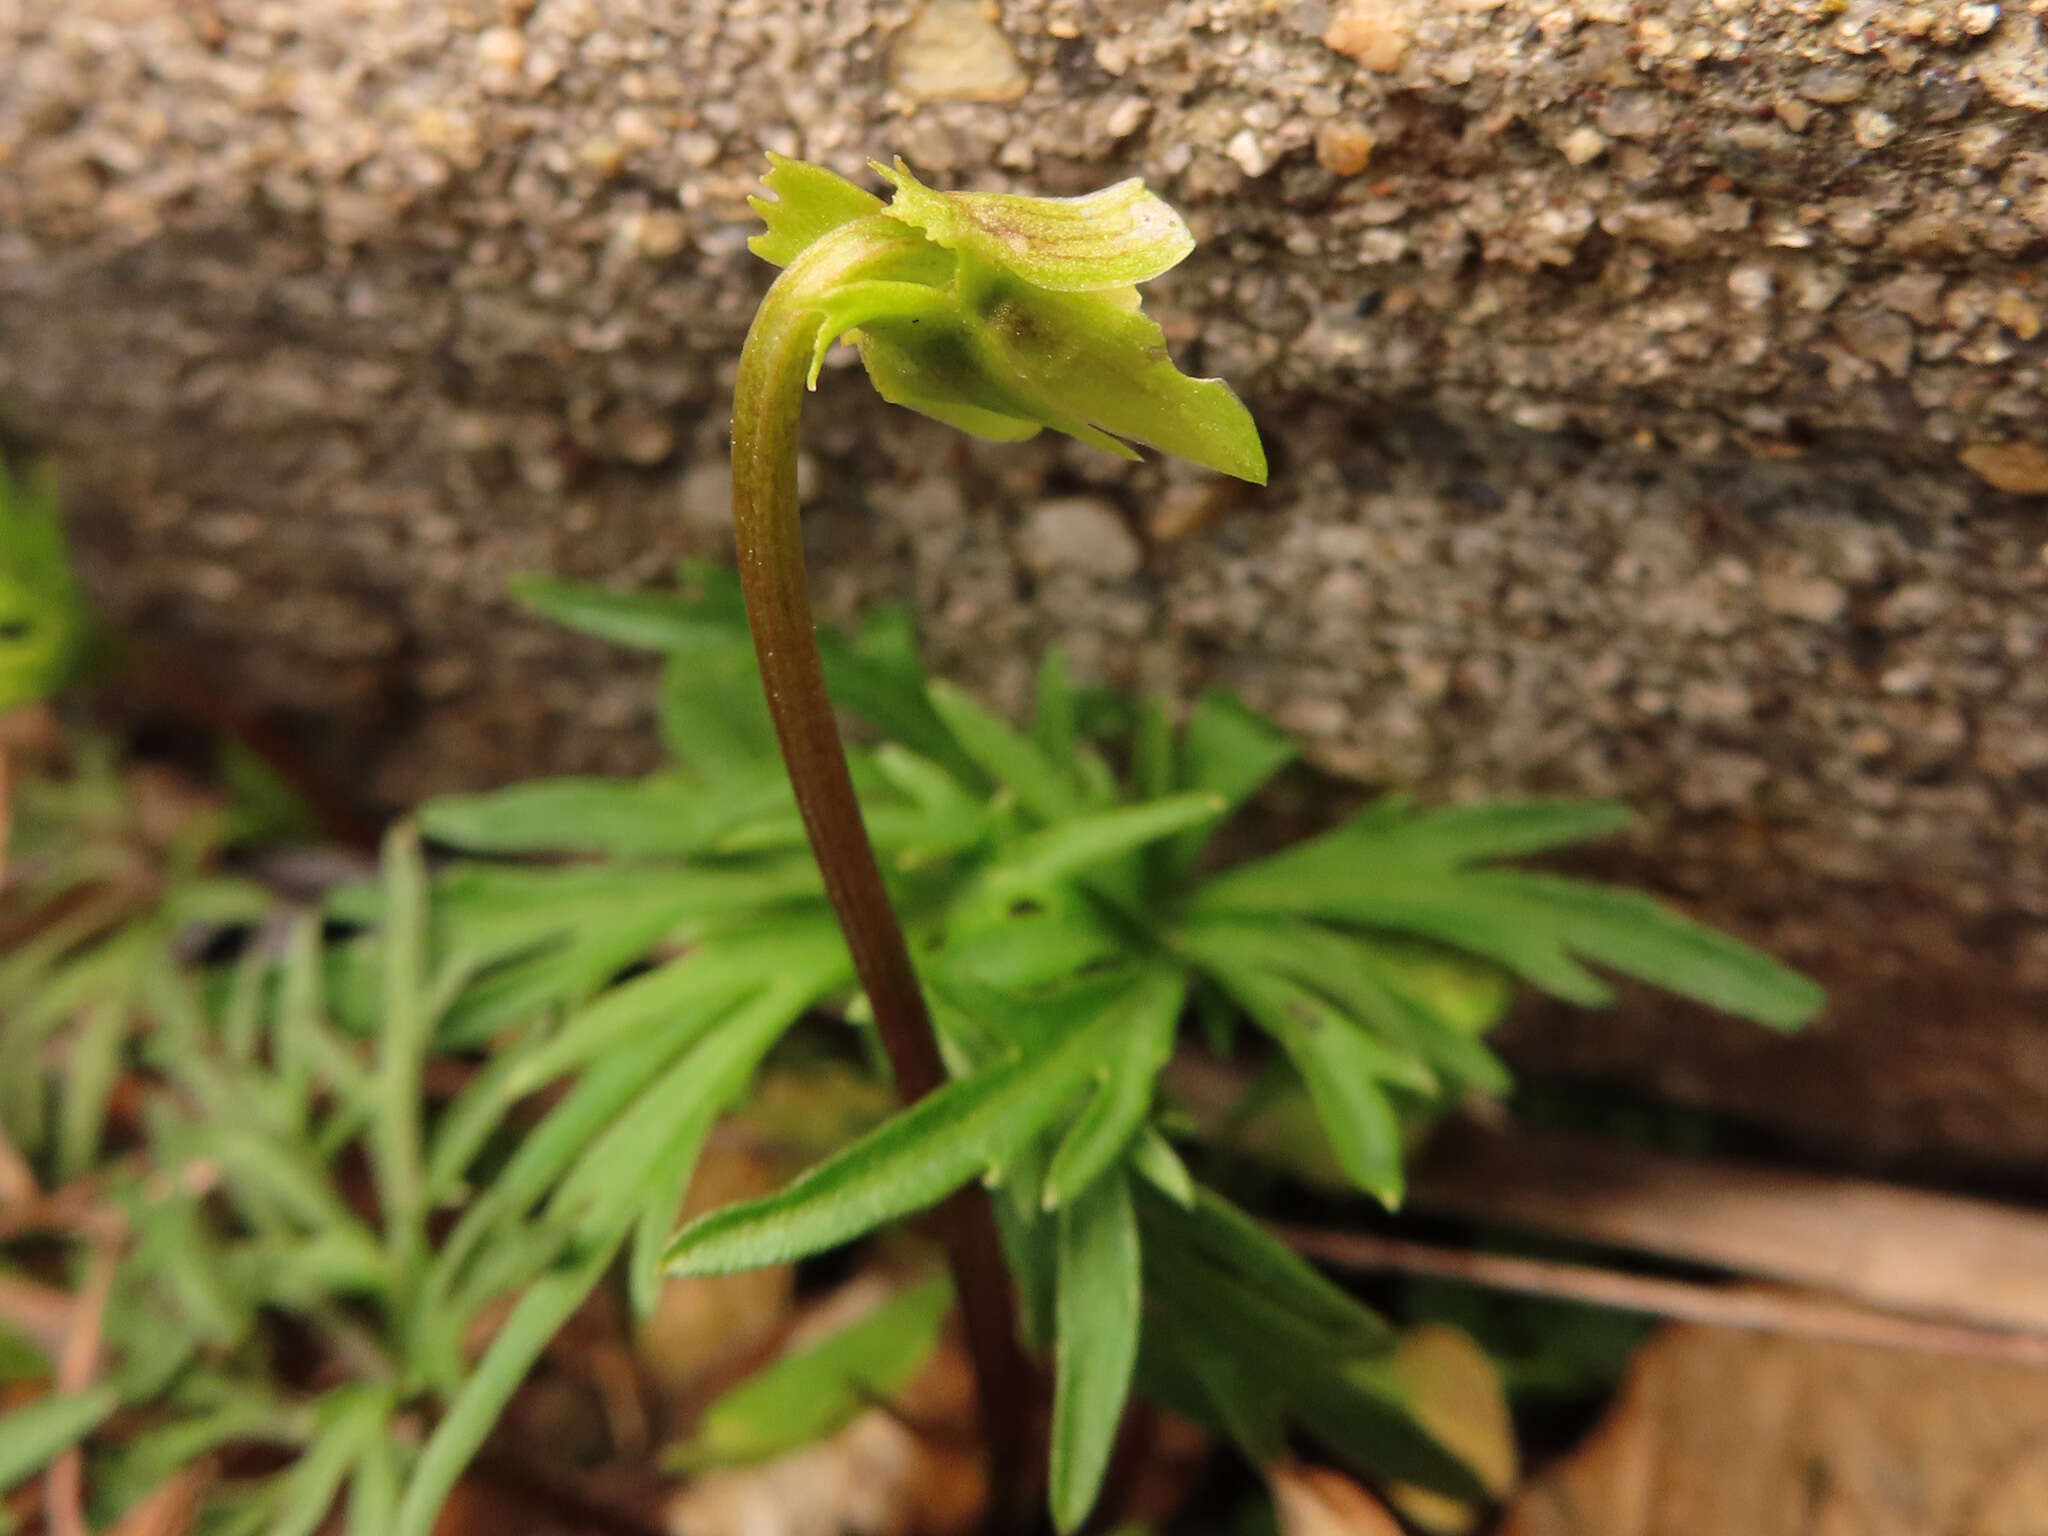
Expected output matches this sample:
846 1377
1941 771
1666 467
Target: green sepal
809 201
1079 363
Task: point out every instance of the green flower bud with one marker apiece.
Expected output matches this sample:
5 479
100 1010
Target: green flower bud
1003 315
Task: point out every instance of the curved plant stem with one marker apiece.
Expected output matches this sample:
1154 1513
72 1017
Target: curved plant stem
767 400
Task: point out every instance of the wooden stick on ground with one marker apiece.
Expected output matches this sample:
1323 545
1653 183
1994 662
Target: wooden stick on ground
1942 1257
1754 1308
39 1313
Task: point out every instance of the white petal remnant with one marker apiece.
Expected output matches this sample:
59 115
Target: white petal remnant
1122 234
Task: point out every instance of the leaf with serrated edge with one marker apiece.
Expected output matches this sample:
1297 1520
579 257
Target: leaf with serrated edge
1034 950
1633 933
600 1188
809 201
679 1000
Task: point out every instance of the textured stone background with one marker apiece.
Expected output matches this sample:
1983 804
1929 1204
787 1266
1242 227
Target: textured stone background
1655 394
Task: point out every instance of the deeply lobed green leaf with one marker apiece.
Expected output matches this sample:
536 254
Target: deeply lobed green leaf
1413 874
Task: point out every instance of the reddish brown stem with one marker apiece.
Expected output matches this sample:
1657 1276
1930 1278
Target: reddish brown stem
6 811
767 400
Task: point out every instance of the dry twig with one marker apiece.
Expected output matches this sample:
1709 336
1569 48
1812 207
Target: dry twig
169 1508
74 1208
64 1483
39 1313
1753 1308
1907 1251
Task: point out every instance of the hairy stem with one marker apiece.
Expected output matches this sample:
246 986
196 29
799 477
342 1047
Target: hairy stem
767 401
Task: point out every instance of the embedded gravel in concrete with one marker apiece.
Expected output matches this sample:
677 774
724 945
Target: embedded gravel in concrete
1655 393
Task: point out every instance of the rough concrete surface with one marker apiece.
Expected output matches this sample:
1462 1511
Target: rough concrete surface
1655 394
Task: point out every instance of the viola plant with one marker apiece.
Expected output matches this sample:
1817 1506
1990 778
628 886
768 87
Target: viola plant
368 1155
1061 973
1000 315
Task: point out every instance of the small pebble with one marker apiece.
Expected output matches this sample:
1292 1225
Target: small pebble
640 436
953 50
1250 153
1982 145
1751 287
657 235
1874 129
2017 314
501 49
2014 66
1814 599
1832 87
1375 33
1582 146
1343 148
1632 115
1082 534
